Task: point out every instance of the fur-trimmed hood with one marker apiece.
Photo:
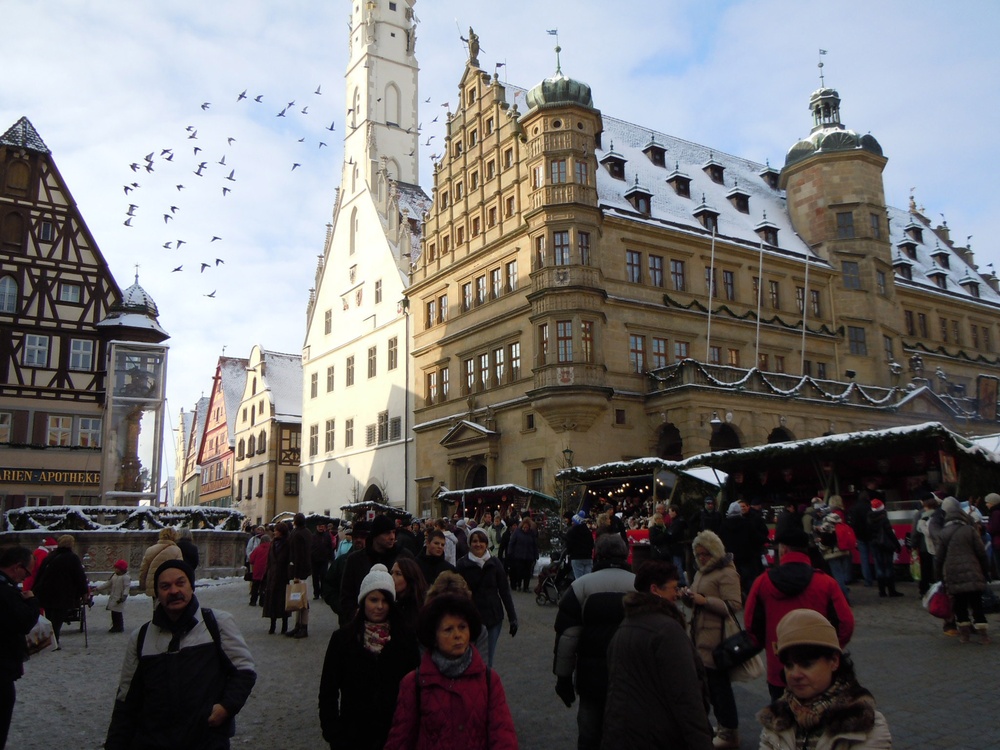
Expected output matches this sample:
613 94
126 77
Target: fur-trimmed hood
711 542
856 716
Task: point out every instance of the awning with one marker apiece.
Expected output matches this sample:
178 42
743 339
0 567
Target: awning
498 493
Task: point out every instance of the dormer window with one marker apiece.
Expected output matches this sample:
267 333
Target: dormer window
770 176
739 199
940 255
914 231
614 163
909 247
714 170
680 182
639 197
655 152
707 215
938 276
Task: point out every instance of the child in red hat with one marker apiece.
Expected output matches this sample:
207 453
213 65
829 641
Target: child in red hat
117 589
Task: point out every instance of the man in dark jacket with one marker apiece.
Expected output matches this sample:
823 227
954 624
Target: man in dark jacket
580 545
709 519
299 569
18 615
857 518
380 548
589 614
61 584
321 553
793 584
186 675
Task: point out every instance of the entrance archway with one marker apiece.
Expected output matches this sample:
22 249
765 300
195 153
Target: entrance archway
669 444
780 435
476 477
724 438
374 495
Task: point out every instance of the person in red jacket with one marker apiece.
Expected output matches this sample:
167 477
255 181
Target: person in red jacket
794 584
452 701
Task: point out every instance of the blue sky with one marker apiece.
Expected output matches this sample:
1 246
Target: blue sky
107 83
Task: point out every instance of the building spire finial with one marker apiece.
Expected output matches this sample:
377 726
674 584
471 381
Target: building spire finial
820 66
555 33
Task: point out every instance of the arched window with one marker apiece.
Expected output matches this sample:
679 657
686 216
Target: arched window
18 175
12 231
262 443
354 230
253 387
8 295
240 449
392 169
391 101
251 445
355 108
253 418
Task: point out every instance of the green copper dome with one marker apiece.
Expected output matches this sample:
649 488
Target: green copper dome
560 90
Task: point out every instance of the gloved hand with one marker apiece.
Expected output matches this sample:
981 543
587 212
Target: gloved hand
513 628
564 689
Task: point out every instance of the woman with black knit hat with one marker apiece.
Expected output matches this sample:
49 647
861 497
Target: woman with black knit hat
365 661
823 706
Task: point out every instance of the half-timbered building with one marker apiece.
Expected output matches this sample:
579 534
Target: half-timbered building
215 457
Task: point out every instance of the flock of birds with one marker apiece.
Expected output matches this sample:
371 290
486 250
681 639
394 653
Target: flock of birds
199 170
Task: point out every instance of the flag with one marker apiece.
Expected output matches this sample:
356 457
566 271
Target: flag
500 65
822 51
553 32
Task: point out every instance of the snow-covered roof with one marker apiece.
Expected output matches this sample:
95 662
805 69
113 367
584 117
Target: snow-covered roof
494 492
283 380
413 201
233 371
22 134
201 416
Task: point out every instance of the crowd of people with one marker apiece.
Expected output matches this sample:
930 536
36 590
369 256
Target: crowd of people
640 632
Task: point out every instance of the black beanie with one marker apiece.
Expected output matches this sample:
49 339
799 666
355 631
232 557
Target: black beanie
180 565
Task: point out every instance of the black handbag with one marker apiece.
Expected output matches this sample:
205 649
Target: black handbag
736 649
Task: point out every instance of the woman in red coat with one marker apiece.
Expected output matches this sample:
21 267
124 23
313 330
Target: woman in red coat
453 701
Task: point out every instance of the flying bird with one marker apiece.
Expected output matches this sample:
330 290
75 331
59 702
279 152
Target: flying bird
128 221
173 209
212 295
258 98
281 113
231 140
291 104
168 157
219 261
321 144
295 165
193 135
242 96
149 156
204 266
317 91
134 166
166 218
206 105
196 150
189 128
331 126
225 192
222 161
305 110
167 245
302 140
427 100
127 189
231 173
214 238
200 168
180 187
434 120
149 167
131 209
180 242
177 269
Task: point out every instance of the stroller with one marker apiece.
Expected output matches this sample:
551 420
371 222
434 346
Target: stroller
553 580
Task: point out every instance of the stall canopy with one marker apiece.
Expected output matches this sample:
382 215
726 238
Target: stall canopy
496 495
361 509
906 460
640 478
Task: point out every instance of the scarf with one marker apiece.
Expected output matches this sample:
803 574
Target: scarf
375 637
809 714
178 628
480 561
451 667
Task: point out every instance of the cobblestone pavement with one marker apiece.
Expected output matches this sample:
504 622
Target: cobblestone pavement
931 688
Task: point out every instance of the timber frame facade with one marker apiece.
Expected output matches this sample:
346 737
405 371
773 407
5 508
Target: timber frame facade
55 287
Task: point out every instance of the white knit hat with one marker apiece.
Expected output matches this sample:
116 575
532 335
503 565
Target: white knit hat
378 579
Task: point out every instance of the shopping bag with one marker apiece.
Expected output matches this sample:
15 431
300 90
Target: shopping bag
39 637
938 602
296 596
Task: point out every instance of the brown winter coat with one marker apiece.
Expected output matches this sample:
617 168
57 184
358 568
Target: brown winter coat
719 583
960 555
155 556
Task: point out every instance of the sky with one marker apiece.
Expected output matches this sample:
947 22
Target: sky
108 84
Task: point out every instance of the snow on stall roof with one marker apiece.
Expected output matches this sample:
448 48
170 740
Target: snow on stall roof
283 380
844 440
75 518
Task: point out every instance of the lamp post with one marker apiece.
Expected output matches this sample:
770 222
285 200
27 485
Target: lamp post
567 463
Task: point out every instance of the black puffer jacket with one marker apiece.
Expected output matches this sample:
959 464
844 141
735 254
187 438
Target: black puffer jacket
490 590
657 695
61 581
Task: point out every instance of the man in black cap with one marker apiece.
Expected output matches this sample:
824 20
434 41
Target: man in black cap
589 614
186 674
381 547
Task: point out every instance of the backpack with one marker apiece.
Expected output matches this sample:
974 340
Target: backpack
211 624
847 540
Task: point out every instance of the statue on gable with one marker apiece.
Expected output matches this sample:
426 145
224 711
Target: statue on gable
473 42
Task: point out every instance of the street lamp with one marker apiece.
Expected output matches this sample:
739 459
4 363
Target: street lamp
568 456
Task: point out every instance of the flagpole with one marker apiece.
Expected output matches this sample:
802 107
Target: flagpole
760 296
711 294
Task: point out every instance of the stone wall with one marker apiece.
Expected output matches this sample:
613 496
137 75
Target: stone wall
220 552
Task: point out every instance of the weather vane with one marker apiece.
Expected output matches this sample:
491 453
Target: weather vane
820 66
555 33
